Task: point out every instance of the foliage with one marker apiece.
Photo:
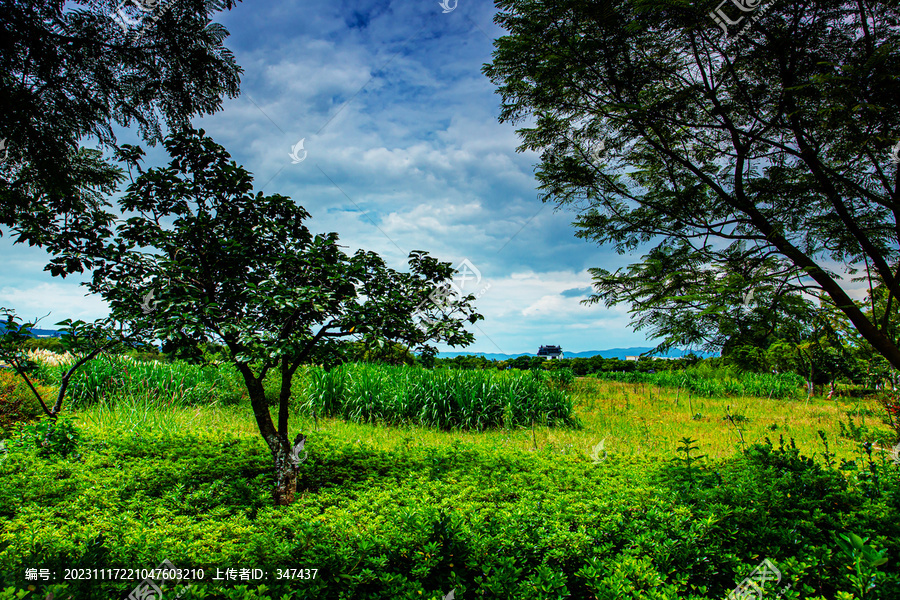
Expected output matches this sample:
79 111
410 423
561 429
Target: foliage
489 522
73 74
862 432
52 344
783 385
262 285
47 437
891 411
18 403
865 560
392 354
109 377
83 341
740 173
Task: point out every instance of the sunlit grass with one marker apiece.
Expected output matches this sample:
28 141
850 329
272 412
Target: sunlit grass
140 415
633 419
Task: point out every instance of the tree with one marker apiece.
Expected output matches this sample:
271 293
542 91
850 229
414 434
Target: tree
243 270
68 73
767 158
83 340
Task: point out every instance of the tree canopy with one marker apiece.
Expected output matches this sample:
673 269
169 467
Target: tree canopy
69 73
757 161
204 259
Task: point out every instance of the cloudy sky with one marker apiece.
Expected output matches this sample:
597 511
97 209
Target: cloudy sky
402 151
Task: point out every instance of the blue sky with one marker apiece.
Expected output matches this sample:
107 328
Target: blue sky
403 152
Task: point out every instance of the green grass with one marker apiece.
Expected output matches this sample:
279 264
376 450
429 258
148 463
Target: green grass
108 378
391 406
410 510
783 385
442 398
633 419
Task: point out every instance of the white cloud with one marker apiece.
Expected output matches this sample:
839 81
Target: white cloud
60 300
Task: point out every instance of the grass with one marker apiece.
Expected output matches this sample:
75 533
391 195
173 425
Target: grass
405 510
109 377
394 408
441 398
715 382
633 419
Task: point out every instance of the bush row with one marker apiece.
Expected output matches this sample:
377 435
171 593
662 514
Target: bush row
782 385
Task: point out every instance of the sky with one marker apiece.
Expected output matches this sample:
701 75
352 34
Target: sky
402 150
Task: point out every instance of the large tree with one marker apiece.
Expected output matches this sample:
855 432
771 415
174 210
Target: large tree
769 152
206 259
70 71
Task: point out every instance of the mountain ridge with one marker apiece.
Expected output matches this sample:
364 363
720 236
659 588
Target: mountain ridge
619 353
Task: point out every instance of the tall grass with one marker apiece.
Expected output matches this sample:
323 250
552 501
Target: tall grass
766 385
441 398
106 378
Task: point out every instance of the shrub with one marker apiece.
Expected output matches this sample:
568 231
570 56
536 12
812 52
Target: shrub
493 523
17 402
60 437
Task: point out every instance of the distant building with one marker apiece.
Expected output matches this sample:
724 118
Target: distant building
550 352
632 357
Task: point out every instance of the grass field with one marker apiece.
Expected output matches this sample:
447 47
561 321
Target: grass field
633 419
408 511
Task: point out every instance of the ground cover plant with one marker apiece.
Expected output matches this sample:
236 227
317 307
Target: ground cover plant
420 520
391 511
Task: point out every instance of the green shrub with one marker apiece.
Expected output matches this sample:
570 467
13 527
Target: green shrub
60 437
18 403
491 523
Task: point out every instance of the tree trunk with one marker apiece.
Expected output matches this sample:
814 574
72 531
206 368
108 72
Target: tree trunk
285 485
286 457
287 465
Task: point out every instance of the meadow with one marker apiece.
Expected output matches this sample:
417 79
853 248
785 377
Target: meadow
492 484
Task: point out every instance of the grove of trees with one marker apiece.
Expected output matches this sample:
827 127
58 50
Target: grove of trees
759 164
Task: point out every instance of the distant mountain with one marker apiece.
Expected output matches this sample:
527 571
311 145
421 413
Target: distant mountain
44 333
619 353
